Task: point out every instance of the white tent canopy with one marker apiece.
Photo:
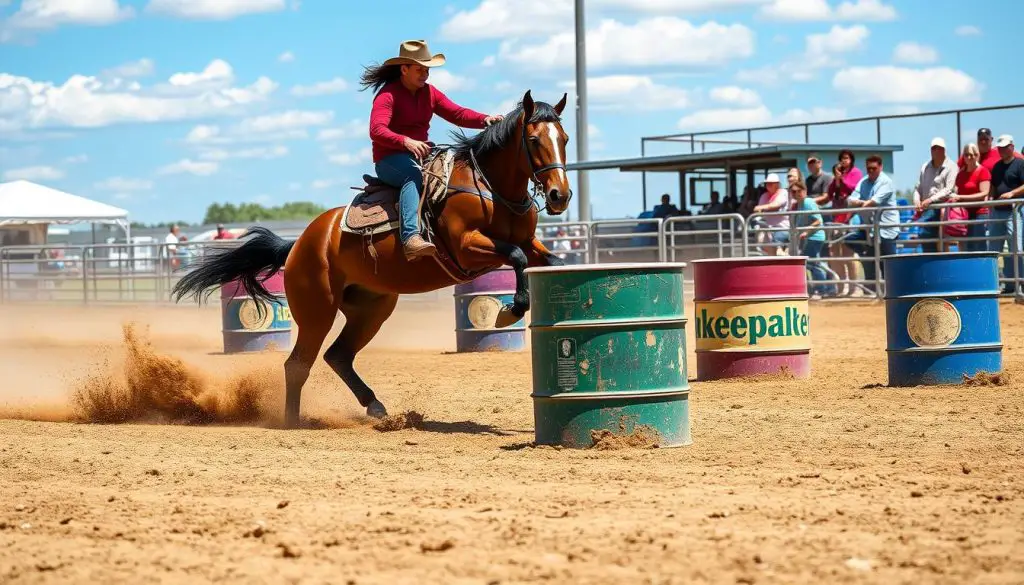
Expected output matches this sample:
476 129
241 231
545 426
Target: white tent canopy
24 202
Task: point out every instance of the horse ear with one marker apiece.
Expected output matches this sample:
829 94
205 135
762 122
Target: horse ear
527 107
561 104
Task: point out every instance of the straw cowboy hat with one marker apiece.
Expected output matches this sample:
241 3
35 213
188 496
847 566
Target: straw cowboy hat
416 53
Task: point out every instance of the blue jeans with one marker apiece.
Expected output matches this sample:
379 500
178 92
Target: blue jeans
977 230
930 232
403 172
861 243
812 249
1002 227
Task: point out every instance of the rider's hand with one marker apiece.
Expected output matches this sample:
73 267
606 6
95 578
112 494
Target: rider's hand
418 149
492 119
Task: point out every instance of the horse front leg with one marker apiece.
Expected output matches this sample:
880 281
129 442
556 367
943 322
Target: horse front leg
478 249
537 254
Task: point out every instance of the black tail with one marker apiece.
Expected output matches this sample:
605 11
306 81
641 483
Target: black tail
265 254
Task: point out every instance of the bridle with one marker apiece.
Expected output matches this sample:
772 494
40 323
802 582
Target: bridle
524 206
538 187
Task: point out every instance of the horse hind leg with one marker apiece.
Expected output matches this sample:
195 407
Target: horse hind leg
365 312
310 338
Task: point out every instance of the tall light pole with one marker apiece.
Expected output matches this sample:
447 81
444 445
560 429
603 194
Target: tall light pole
583 181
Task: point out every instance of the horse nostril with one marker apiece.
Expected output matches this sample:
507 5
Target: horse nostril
554 194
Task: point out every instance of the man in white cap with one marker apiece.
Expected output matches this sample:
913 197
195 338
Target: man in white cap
935 184
1007 186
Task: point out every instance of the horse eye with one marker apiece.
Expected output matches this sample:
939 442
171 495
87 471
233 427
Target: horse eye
534 139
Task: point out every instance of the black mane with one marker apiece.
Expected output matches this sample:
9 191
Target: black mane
497 135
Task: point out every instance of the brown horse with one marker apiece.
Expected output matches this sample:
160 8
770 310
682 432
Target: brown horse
486 219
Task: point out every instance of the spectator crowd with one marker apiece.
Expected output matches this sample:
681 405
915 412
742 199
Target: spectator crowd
859 202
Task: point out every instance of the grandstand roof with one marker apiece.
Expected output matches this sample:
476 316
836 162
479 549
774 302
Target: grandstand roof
757 157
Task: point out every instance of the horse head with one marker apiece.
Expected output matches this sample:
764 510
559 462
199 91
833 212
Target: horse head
543 144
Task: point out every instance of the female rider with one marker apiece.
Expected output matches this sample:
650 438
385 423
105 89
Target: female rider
399 124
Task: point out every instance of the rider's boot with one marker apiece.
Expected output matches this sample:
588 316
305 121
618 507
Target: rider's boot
417 247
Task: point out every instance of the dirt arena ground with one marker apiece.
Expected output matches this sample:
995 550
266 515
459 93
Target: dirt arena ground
837 479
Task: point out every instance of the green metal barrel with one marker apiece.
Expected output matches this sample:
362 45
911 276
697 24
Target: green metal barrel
608 346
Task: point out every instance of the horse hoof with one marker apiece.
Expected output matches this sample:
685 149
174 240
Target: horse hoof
376 410
505 318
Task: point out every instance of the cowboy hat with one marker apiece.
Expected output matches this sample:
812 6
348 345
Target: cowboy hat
416 53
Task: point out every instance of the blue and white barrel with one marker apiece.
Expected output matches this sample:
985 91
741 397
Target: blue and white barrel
477 304
247 329
942 317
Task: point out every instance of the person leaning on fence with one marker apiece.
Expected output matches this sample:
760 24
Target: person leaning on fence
874 191
972 185
1007 221
935 184
812 242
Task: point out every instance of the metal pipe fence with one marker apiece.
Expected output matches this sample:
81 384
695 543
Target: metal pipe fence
844 257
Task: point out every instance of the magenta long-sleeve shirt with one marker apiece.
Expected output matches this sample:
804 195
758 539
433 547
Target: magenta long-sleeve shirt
398 114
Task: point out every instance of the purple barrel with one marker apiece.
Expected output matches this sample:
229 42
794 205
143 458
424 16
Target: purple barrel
245 329
476 306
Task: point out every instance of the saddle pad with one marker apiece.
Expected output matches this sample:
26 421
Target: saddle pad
373 210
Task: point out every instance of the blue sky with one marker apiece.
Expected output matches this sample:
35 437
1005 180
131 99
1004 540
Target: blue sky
165 106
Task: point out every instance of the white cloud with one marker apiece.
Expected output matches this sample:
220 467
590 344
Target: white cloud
290 124
676 6
822 50
351 159
631 91
265 153
353 129
866 10
735 96
838 39
320 184
189 166
613 43
213 9
124 184
738 118
38 15
499 19
820 10
76 159
131 70
447 81
286 57
37 173
489 61
903 85
284 121
914 53
336 85
967 30
89 102
726 118
218 73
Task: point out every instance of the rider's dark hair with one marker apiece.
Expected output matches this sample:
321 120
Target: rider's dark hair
377 76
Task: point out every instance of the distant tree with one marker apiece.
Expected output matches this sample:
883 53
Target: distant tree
243 212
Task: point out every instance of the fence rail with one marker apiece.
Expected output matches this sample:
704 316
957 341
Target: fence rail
844 259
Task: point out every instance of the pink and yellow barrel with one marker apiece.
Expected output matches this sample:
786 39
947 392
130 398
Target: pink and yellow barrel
247 329
751 317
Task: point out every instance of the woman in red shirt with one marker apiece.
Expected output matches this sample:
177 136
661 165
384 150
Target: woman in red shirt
972 183
399 125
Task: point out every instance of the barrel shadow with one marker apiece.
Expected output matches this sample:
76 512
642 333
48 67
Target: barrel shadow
465 427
